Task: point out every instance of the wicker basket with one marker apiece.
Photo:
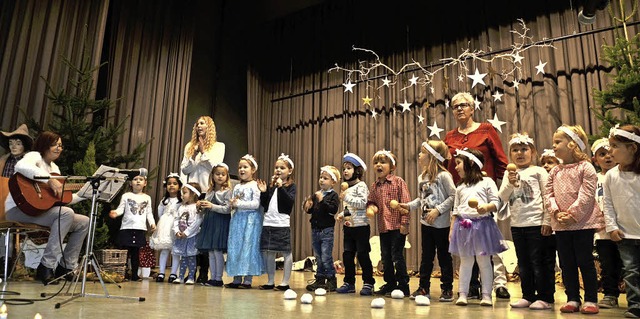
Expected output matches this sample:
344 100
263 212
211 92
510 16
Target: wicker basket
111 257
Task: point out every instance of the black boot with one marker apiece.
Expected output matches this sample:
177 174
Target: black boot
45 275
319 282
332 283
67 273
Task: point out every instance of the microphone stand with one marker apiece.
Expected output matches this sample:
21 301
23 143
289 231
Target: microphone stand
89 257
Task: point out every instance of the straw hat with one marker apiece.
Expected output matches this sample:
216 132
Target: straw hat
22 133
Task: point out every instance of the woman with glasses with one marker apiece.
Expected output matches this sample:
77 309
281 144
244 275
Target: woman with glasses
62 220
484 138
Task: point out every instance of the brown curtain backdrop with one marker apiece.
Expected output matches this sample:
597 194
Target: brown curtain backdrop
149 66
321 122
35 36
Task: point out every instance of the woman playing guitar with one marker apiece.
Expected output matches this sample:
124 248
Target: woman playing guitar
60 219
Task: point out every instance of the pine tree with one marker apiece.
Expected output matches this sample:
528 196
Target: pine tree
623 93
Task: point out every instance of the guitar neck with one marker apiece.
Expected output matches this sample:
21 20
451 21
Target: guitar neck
72 186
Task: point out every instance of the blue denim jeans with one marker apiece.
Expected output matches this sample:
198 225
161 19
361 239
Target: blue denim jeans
322 241
630 254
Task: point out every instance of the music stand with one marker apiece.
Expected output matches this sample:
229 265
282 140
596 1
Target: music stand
108 183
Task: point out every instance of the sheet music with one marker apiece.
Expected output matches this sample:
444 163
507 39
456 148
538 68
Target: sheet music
109 187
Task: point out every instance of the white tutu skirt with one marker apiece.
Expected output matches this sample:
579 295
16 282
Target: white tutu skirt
163 237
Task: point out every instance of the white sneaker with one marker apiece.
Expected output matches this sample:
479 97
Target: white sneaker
540 305
176 281
486 301
522 303
189 282
462 301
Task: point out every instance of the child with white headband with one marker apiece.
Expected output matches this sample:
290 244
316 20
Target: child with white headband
186 227
277 201
474 233
437 192
608 253
570 199
137 210
162 239
522 187
214 230
393 222
323 206
621 206
548 160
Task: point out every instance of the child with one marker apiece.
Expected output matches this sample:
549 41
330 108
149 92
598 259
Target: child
393 222
323 206
548 160
621 206
570 198
522 189
136 208
608 253
277 200
245 227
356 226
162 238
474 232
186 227
437 193
214 231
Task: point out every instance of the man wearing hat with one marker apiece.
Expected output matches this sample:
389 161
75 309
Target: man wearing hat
17 143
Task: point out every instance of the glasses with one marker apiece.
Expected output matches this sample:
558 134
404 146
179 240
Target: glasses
461 106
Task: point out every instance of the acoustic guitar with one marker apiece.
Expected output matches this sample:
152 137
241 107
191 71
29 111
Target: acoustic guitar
34 198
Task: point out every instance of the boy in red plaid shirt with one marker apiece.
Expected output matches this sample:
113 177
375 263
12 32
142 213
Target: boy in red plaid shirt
393 221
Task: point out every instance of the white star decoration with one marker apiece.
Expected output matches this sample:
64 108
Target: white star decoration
405 106
446 104
516 85
420 118
497 96
348 86
540 67
476 102
435 130
496 122
460 78
477 78
386 81
517 58
374 114
413 80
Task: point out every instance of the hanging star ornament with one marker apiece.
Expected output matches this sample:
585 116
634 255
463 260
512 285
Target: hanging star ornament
516 85
366 100
477 78
420 118
496 122
540 67
348 86
405 106
460 78
435 130
386 81
476 103
413 79
497 96
446 104
517 58
374 114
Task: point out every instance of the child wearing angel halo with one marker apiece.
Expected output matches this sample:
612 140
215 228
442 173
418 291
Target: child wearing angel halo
277 200
214 230
393 221
162 238
570 199
548 160
437 192
243 247
522 189
474 233
323 206
186 227
354 194
621 206
136 208
608 253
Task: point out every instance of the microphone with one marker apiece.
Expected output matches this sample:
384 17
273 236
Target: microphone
131 173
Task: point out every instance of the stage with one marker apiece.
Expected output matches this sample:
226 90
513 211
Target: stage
165 300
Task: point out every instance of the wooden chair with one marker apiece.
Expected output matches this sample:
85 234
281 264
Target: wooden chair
8 228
